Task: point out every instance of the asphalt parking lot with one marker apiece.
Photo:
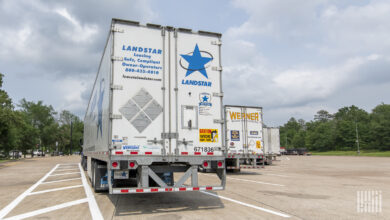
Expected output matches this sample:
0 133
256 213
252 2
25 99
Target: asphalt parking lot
294 187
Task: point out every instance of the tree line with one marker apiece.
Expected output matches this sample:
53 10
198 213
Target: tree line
341 131
30 126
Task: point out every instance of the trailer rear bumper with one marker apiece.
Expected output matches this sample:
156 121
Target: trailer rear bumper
155 173
165 189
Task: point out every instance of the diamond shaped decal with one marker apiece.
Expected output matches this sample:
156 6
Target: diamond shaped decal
140 122
129 110
141 110
153 110
142 98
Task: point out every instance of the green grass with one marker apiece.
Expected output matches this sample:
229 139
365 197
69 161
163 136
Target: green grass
354 153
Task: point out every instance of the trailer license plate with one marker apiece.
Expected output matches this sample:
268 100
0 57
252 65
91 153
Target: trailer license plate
121 174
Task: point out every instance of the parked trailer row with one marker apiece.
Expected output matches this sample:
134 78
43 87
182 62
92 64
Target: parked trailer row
155 110
271 144
244 137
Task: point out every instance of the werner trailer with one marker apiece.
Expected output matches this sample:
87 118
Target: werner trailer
244 137
271 144
155 115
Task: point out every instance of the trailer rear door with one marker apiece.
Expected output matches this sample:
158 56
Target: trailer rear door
138 89
197 97
244 130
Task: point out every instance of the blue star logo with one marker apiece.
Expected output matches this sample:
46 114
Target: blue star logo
196 62
205 98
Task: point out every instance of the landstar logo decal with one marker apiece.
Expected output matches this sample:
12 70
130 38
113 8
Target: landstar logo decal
196 63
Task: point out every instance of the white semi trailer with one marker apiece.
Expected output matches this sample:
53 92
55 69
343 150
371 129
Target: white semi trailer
155 111
271 144
244 137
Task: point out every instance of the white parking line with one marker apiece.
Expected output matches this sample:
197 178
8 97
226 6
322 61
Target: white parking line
76 168
249 205
56 181
14 203
93 207
60 174
287 158
271 174
56 189
67 166
273 170
253 181
259 182
48 209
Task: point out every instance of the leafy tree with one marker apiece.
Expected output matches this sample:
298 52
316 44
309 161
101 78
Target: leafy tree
323 116
348 120
42 118
65 121
299 139
27 134
319 136
289 132
8 133
380 127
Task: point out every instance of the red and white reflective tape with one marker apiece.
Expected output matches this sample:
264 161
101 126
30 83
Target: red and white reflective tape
250 167
120 152
169 189
245 167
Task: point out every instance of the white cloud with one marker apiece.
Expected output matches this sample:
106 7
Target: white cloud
78 33
71 90
298 54
60 43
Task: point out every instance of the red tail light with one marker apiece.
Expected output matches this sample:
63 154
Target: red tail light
205 164
220 164
114 164
132 164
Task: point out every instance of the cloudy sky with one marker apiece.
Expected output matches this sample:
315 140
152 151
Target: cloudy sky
293 57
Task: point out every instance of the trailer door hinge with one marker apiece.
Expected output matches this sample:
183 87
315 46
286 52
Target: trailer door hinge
116 87
216 94
155 141
185 142
113 58
169 135
114 29
115 116
216 42
216 68
219 121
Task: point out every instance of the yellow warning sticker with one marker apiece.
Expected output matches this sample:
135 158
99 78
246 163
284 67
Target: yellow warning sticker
208 135
258 144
